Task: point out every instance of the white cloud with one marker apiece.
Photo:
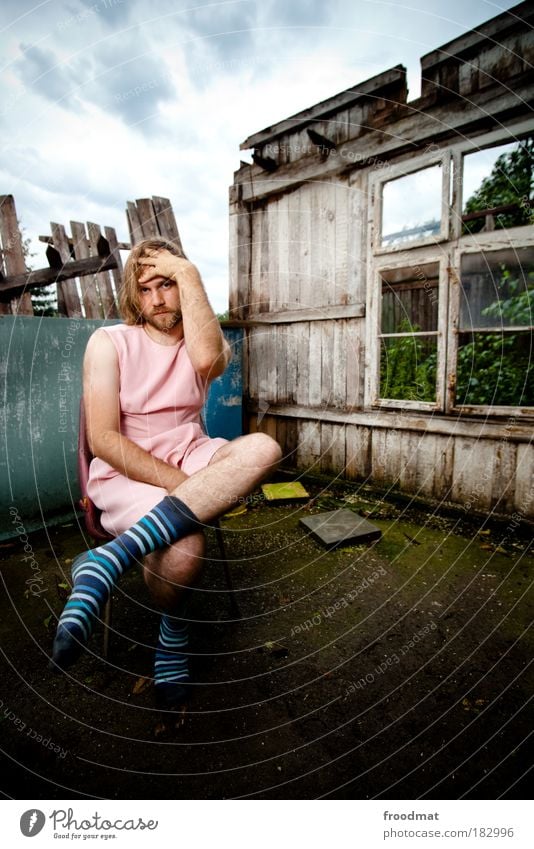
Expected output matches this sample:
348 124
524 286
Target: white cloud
110 101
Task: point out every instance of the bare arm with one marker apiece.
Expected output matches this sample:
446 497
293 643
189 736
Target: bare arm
101 399
208 350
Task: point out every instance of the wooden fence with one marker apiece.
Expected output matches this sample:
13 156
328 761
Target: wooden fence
85 266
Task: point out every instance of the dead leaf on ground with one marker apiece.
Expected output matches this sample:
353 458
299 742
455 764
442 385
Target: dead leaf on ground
141 685
475 705
411 539
63 590
237 511
275 649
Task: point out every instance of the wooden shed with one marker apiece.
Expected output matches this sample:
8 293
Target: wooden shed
382 261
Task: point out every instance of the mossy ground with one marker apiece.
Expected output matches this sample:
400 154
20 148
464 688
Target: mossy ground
399 670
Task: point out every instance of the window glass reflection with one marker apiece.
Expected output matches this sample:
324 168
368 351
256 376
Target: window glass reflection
498 187
411 207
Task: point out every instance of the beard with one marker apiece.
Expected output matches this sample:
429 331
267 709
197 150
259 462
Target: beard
164 321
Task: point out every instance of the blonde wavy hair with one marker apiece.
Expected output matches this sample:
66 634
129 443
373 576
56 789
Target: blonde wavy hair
129 291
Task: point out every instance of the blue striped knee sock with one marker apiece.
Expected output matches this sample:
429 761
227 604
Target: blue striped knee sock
171 666
96 572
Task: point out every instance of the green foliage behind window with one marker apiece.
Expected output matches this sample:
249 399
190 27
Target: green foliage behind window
408 366
510 182
497 368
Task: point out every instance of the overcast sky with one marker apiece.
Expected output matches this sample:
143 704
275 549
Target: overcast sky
105 101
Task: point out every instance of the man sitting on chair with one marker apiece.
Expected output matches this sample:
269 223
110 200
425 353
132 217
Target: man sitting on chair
156 477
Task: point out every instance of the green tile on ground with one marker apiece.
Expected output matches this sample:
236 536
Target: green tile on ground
289 491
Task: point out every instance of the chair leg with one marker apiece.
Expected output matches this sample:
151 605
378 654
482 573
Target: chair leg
108 613
234 607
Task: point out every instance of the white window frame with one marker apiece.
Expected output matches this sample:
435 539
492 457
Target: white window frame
448 248
373 398
404 169
461 149
495 240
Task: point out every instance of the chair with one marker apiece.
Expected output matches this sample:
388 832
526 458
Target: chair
99 534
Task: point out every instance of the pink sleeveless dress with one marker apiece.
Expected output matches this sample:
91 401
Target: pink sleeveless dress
161 397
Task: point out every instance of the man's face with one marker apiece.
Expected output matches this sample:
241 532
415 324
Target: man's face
159 300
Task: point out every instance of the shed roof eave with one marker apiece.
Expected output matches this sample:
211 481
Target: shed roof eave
492 30
342 100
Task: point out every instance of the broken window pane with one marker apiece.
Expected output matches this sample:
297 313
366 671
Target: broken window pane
497 294
411 207
498 187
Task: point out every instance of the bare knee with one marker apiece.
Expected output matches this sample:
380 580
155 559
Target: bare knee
270 450
264 449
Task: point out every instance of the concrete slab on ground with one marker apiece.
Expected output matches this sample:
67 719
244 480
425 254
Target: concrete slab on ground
339 527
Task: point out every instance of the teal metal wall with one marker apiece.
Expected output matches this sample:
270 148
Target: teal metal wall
41 386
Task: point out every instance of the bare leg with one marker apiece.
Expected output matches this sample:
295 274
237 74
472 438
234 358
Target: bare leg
169 571
244 462
168 574
235 470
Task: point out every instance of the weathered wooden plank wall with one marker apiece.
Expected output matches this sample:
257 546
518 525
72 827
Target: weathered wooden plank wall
300 266
306 267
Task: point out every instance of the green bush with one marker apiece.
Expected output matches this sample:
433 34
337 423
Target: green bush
496 368
407 369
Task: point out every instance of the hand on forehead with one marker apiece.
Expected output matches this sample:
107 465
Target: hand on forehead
147 263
